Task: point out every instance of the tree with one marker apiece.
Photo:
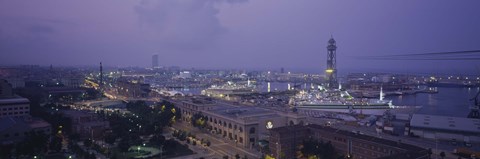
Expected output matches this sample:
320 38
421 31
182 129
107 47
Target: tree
34 143
442 154
124 145
430 152
6 150
87 142
320 149
92 156
157 140
198 120
110 139
56 144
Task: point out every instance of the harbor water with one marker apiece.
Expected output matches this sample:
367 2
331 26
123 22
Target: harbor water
448 101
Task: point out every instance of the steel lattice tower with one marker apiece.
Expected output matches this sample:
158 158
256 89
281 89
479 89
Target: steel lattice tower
331 71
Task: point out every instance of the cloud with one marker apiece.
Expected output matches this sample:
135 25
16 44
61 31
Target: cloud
182 23
41 29
23 29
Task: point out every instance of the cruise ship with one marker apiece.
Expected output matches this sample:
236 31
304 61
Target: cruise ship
229 88
337 99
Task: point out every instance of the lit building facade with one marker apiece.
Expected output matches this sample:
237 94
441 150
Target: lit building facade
245 126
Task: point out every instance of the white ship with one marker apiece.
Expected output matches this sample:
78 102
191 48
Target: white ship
337 99
229 88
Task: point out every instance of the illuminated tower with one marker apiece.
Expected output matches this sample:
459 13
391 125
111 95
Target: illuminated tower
101 75
331 71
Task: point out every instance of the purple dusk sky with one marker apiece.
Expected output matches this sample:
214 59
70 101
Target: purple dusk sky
266 34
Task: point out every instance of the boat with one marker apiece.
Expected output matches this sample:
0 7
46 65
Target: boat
337 99
229 88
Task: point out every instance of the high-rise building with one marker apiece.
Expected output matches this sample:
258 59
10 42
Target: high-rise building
155 61
101 74
331 71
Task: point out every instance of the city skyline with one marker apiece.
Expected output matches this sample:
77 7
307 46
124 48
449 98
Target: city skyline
239 79
237 33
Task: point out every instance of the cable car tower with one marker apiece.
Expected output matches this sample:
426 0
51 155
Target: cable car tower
331 71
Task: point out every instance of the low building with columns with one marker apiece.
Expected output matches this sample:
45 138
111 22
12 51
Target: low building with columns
244 125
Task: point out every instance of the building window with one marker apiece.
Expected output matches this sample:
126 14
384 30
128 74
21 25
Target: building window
241 140
229 125
235 127
252 130
241 129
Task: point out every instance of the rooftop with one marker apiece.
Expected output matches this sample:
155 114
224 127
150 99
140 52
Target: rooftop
76 113
398 144
447 123
13 100
314 127
241 112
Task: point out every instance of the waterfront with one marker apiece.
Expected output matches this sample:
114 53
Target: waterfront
448 101
434 104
